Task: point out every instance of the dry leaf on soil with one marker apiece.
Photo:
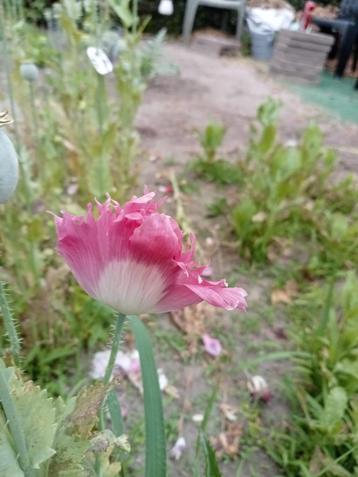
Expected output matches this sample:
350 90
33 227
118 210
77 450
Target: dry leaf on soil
286 294
228 441
191 321
229 412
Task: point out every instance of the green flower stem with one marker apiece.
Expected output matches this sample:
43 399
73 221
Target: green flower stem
100 101
7 60
107 376
35 123
115 346
101 106
14 423
9 323
135 15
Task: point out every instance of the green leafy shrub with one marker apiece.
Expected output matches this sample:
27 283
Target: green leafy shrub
288 192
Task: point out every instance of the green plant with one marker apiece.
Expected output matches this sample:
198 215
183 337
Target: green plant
41 436
52 438
320 438
211 139
289 193
208 165
75 138
205 459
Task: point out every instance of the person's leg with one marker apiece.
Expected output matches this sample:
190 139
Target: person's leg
347 37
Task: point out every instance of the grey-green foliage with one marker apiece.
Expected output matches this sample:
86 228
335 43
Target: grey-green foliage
153 62
58 438
123 12
36 425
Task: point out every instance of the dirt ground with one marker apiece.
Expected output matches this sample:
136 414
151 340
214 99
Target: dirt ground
227 90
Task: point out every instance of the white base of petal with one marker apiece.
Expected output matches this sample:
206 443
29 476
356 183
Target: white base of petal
131 287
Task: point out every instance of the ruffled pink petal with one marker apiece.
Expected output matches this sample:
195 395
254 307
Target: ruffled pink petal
176 298
212 345
220 296
145 205
158 236
81 251
89 243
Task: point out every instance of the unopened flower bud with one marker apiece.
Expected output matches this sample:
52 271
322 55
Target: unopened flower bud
29 72
9 167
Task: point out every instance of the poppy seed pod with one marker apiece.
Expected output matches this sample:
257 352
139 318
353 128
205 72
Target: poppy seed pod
29 72
9 168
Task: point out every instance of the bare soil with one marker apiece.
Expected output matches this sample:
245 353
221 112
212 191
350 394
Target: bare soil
227 90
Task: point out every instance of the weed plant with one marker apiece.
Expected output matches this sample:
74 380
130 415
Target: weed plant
289 193
321 436
208 165
288 204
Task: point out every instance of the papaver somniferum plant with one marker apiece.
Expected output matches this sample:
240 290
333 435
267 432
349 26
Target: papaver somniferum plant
9 167
133 258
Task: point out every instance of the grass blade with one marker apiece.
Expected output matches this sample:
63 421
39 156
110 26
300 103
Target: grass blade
326 310
211 464
155 461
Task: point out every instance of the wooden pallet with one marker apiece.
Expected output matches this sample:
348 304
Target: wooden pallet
300 55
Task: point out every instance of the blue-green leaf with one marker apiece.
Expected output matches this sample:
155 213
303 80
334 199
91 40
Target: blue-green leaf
155 460
114 409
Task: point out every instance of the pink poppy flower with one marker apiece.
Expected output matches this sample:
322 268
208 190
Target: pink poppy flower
132 258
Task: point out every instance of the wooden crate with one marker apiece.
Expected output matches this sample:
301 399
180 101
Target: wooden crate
300 55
